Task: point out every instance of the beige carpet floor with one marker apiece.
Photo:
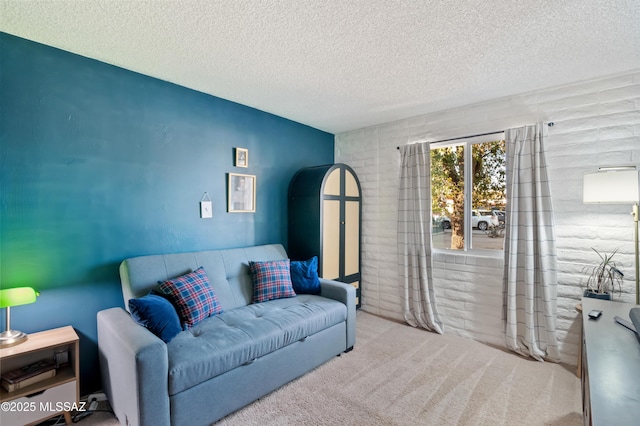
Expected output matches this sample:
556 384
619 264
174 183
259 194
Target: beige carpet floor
399 375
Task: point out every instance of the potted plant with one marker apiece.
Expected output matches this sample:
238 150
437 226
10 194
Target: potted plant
604 277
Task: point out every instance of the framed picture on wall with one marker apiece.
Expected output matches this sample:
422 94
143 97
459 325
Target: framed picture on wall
242 193
242 157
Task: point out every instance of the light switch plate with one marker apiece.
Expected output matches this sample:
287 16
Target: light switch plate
206 209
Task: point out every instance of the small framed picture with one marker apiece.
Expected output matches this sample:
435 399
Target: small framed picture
242 157
242 193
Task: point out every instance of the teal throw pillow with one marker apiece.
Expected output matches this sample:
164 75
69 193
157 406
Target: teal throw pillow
304 276
157 314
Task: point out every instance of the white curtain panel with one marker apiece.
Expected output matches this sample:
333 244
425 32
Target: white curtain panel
530 248
414 238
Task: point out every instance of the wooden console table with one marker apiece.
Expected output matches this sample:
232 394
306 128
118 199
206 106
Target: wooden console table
610 366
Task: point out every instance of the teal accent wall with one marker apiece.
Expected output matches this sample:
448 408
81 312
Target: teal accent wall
99 164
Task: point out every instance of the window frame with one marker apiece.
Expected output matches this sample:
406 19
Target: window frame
468 193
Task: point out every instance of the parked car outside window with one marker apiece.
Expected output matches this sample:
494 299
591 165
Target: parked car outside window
446 222
501 217
481 219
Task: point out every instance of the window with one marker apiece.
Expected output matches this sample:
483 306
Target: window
468 199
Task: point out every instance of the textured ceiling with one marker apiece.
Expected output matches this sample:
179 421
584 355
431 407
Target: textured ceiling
339 65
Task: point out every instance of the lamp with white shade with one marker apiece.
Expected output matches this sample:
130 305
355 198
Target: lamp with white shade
616 185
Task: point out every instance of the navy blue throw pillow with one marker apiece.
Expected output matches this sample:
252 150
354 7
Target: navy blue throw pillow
304 276
157 314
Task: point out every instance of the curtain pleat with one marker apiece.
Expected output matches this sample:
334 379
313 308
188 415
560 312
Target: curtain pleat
414 238
530 248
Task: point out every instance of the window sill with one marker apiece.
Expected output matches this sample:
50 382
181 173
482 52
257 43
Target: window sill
438 254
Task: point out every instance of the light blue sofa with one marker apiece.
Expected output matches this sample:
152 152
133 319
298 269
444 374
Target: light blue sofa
227 361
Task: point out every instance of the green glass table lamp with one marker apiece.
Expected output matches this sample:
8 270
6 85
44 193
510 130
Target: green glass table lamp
13 297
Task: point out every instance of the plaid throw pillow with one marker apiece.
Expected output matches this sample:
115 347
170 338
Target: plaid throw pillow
192 296
271 280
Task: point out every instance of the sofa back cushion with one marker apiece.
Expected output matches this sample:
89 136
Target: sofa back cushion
227 269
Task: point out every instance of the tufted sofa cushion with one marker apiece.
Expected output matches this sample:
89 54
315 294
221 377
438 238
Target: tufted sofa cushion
224 342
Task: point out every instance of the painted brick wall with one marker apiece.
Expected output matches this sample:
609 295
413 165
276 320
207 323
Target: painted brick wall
597 123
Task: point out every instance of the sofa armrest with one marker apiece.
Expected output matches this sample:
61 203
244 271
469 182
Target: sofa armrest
346 294
134 367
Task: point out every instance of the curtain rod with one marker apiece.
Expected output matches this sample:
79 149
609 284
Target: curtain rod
550 124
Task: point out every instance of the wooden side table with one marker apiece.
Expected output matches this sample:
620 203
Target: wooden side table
48 398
